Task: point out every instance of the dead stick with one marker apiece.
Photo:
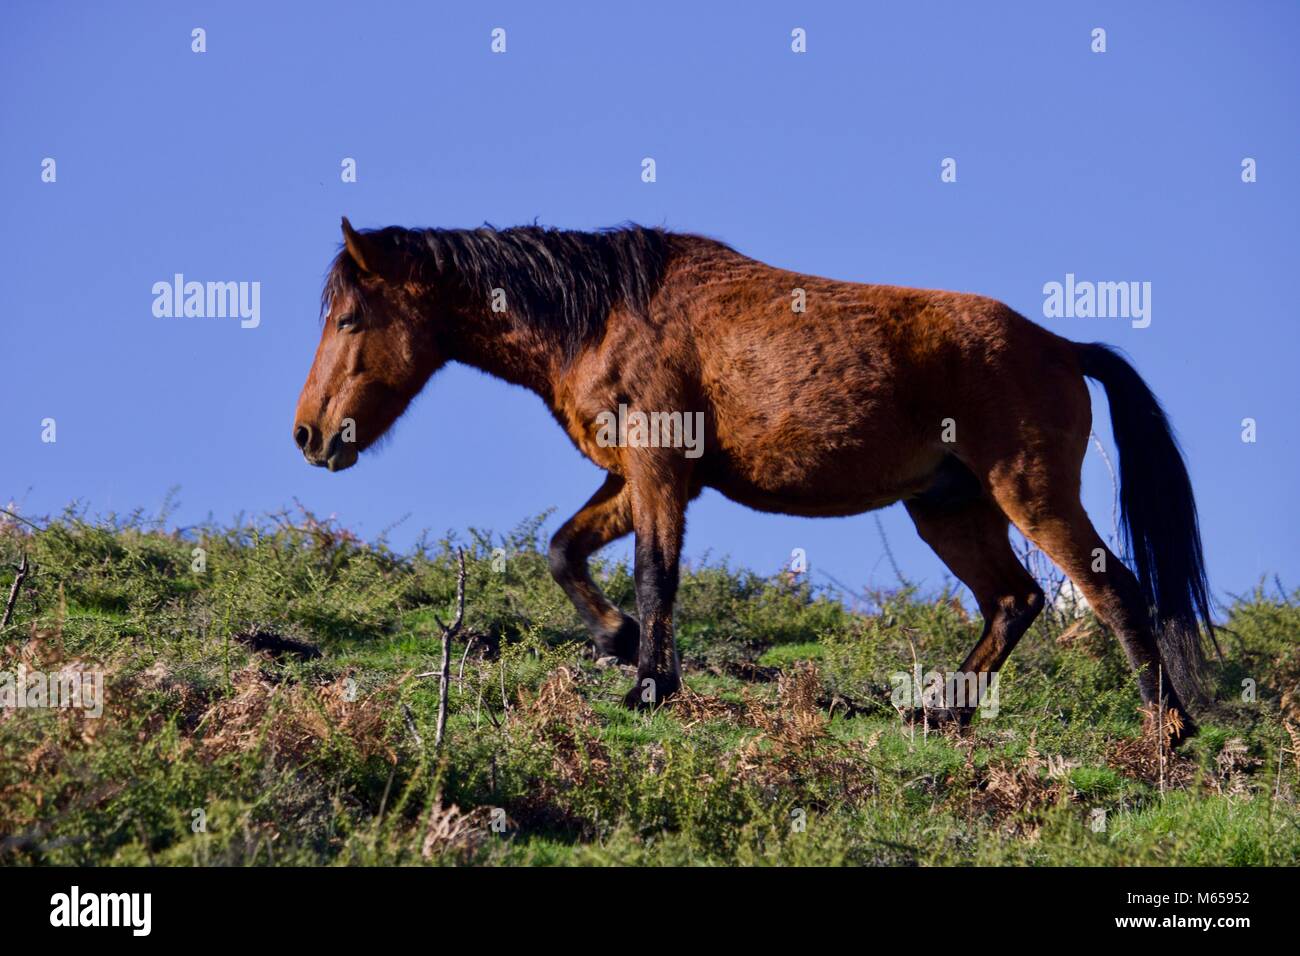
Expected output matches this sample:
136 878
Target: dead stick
1160 730
460 675
13 592
414 732
916 682
1277 787
444 677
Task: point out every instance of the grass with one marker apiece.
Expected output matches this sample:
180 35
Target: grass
784 750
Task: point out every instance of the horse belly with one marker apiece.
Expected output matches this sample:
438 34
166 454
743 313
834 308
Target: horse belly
816 416
819 482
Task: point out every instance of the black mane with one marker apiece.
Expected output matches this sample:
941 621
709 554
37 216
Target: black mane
563 282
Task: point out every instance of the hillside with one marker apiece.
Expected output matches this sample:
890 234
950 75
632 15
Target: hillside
267 700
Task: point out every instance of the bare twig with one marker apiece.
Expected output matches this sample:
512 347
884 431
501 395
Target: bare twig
13 592
1114 484
413 731
1277 786
436 673
460 674
487 708
1160 731
889 553
383 801
916 683
859 598
17 517
444 678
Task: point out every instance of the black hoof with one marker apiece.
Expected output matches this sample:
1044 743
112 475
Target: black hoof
651 690
622 644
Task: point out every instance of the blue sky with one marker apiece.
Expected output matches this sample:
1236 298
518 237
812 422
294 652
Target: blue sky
1117 166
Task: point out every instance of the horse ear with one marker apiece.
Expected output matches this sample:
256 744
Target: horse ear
357 247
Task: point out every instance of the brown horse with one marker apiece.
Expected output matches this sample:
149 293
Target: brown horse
815 397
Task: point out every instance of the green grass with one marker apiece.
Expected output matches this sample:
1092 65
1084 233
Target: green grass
786 749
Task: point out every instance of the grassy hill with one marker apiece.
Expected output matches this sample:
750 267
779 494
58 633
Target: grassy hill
267 702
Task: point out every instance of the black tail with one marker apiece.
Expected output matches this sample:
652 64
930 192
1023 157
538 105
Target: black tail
1158 520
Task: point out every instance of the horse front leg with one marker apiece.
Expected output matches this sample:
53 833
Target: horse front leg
604 518
659 497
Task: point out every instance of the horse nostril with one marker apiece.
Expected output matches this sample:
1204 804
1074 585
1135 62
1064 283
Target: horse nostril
302 435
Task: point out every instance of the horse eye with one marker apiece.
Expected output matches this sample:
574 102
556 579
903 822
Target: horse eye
347 321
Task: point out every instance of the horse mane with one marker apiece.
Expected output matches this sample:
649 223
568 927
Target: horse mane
560 282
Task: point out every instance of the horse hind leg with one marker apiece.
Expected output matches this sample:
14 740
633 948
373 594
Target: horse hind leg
969 534
1044 504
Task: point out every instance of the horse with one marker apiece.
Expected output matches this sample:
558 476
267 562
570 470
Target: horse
816 397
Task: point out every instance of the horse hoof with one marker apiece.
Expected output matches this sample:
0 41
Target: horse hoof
1186 732
622 644
651 690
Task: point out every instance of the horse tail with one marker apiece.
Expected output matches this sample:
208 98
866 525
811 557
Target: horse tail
1157 519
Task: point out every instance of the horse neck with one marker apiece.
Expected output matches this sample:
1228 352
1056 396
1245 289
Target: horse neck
491 343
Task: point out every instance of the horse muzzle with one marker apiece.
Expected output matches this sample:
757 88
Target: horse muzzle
336 456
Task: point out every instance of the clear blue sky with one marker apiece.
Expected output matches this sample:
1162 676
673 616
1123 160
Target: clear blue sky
225 166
